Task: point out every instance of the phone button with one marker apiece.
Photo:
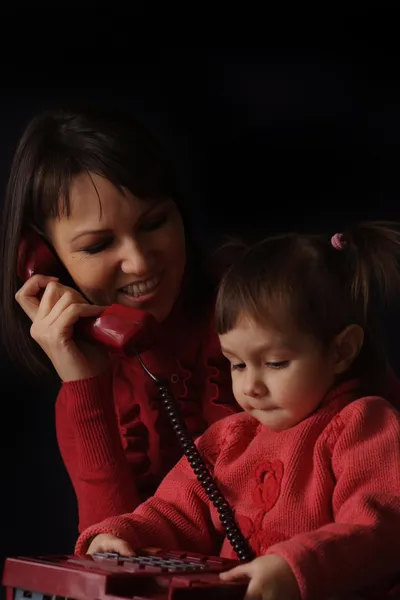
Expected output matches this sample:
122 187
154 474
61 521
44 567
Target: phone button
174 378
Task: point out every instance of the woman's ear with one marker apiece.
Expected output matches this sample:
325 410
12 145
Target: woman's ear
347 346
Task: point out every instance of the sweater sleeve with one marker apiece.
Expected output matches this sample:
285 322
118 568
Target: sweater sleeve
177 516
91 448
362 542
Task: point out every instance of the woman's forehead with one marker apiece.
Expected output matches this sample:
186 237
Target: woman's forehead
92 197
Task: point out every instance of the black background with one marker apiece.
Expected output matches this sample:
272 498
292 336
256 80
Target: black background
302 134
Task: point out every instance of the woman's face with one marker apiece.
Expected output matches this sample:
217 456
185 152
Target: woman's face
119 249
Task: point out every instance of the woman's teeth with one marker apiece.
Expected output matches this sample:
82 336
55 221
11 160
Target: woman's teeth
142 288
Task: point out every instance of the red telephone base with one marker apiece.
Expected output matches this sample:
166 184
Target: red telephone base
153 574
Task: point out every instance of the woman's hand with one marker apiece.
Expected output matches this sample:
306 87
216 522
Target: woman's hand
53 318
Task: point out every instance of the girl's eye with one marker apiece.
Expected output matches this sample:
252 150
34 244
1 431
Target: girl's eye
238 367
278 365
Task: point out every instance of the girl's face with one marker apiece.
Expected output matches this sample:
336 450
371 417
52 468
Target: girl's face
119 249
280 378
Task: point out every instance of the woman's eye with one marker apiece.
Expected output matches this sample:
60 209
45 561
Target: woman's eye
153 224
99 247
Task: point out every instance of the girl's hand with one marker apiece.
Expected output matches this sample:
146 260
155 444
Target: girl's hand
270 578
105 542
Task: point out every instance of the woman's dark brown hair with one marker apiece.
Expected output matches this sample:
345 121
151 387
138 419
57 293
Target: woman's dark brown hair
304 281
56 146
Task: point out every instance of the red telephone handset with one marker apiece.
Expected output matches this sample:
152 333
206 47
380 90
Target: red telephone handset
119 327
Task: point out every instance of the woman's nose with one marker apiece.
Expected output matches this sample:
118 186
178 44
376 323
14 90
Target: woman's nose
134 259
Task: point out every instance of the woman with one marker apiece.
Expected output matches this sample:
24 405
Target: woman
99 190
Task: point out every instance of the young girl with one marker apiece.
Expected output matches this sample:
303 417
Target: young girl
99 189
311 468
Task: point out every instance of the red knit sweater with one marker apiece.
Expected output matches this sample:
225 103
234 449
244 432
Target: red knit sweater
324 495
112 432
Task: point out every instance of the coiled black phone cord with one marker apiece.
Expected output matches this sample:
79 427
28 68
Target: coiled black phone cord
225 513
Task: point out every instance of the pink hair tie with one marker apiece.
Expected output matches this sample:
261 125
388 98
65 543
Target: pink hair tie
337 241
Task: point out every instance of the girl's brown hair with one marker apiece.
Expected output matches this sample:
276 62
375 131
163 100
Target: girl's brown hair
307 282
